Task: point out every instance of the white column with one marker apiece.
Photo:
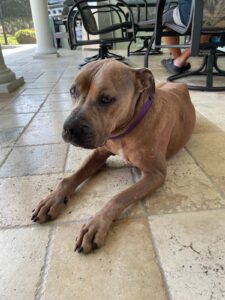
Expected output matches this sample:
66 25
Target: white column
39 9
8 81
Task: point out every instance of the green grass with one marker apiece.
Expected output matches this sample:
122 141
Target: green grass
11 40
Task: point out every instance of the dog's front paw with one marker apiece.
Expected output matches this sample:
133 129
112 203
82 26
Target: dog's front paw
92 235
49 208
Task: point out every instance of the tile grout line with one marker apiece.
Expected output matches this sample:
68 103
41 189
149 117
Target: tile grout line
37 145
135 177
58 224
66 158
157 258
65 172
152 241
25 127
35 113
44 269
220 192
40 174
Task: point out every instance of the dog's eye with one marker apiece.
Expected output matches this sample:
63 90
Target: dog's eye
104 100
73 91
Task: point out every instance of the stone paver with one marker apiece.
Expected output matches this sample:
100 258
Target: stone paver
186 188
46 128
209 152
203 125
14 120
24 104
24 161
97 191
3 103
57 106
191 249
37 91
59 97
20 195
3 153
9 136
124 268
21 257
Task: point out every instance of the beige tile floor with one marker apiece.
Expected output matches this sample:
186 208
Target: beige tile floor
169 246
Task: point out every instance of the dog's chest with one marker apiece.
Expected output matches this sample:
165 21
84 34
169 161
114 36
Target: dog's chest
119 149
124 157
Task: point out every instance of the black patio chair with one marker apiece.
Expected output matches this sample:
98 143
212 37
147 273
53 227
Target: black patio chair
94 15
207 18
144 12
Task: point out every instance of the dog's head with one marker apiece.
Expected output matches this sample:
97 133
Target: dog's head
105 94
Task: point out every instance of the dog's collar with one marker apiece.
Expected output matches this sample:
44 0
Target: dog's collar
137 120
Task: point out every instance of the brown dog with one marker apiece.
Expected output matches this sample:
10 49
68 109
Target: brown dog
118 110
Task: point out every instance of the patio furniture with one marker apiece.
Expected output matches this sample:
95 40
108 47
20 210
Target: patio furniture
104 24
144 12
144 18
207 18
58 12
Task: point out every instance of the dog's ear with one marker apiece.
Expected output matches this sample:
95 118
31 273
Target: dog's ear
145 80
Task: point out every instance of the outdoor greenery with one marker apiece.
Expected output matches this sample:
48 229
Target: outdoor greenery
25 36
15 15
13 24
11 40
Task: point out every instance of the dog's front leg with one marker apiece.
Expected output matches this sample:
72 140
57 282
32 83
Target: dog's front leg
53 204
93 234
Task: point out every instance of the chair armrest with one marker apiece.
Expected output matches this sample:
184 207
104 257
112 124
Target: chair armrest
101 7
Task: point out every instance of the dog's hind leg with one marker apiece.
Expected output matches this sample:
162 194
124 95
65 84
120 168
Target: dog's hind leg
54 203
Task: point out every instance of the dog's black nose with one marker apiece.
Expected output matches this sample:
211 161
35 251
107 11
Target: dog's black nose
76 129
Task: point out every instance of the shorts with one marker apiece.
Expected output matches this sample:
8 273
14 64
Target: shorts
172 16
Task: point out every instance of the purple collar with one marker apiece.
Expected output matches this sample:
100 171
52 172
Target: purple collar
137 120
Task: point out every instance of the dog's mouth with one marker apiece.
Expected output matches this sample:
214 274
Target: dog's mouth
87 141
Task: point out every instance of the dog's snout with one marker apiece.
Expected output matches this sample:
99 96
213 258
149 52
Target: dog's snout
76 129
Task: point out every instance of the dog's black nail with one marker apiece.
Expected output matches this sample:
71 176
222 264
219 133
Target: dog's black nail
49 218
33 210
35 219
65 200
75 249
80 250
94 246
